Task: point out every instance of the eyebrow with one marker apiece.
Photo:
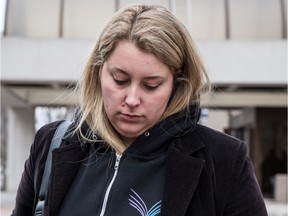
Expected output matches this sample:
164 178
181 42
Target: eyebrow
118 70
153 77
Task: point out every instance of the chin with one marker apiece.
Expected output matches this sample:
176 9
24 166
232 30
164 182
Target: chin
131 134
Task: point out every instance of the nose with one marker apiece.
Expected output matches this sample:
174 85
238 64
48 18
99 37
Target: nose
132 98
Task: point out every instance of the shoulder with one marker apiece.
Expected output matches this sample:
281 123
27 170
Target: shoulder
47 131
43 137
210 135
218 149
220 143
226 154
48 128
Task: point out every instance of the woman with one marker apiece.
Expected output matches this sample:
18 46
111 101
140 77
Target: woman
137 148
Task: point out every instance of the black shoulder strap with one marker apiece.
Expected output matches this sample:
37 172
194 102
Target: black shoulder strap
56 142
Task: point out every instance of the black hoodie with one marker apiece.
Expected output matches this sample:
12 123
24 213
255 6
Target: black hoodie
130 184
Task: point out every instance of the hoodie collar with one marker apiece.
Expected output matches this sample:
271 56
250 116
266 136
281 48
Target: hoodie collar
151 141
155 139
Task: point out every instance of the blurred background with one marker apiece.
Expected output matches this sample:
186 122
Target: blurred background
45 45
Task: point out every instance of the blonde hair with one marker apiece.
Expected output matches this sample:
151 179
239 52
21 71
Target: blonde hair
155 30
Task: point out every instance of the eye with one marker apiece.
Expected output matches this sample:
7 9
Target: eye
151 87
120 82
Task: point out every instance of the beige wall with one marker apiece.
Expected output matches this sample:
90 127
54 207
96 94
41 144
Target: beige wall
233 62
208 19
86 18
33 18
257 19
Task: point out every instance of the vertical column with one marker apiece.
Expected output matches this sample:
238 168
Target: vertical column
172 6
189 14
20 134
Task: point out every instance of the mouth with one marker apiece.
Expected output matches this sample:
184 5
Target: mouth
130 117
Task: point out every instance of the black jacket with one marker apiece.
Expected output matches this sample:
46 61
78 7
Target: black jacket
206 172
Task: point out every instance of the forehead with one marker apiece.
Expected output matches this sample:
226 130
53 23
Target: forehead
127 57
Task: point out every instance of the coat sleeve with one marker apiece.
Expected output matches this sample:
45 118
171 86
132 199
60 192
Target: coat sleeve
245 197
27 193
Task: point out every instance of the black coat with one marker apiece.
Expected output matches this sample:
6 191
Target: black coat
206 173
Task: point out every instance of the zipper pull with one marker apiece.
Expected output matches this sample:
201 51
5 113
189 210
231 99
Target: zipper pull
118 157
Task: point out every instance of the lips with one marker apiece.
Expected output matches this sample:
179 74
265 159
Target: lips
130 117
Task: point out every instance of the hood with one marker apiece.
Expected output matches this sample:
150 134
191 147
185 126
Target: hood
153 140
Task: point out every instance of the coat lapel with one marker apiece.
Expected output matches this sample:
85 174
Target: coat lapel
182 174
65 164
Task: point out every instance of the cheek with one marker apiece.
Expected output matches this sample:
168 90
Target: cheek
159 103
105 86
165 95
111 96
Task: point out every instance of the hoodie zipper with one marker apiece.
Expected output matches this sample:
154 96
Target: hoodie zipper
104 205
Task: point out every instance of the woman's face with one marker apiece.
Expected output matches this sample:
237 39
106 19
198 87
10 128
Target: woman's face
136 88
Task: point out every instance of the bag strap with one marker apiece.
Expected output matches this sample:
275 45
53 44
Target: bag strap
55 143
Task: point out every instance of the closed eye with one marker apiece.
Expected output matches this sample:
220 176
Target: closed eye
151 87
120 82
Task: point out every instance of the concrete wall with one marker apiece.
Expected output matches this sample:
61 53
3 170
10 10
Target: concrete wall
206 19
232 62
43 60
85 18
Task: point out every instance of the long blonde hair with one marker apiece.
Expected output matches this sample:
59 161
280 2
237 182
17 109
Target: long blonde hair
155 30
